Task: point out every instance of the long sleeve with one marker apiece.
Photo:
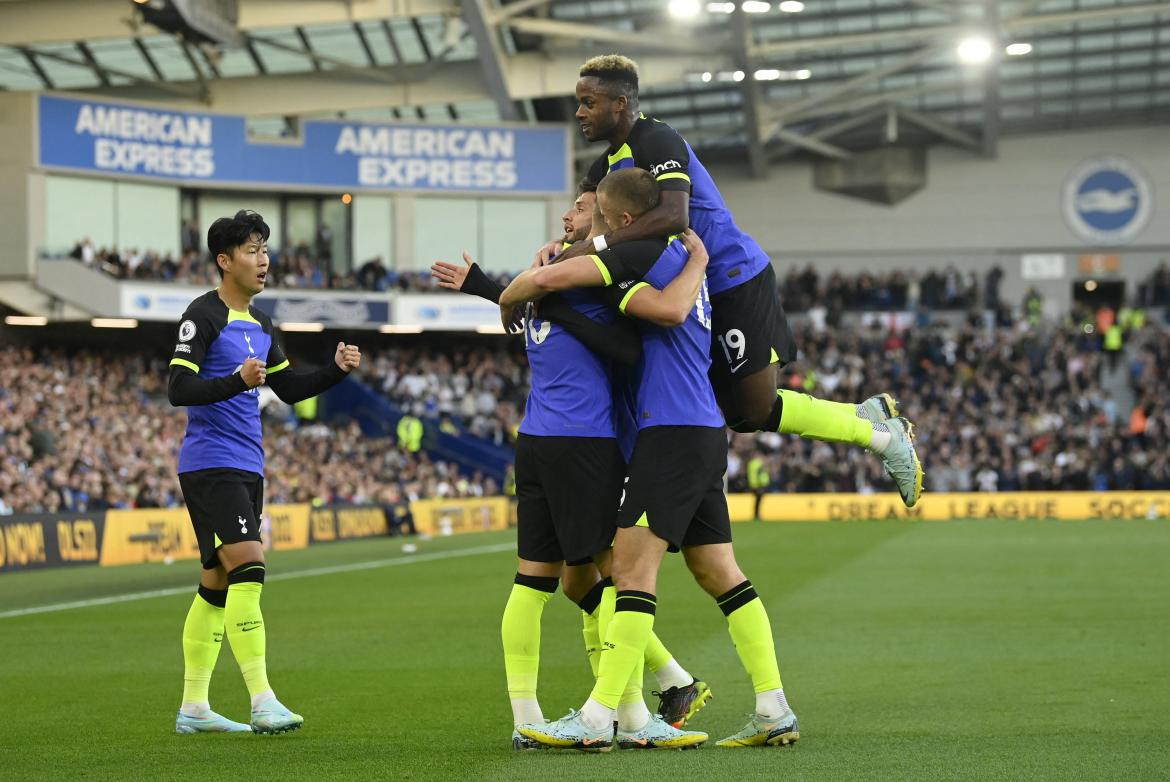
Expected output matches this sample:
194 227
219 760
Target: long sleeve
292 386
185 388
619 341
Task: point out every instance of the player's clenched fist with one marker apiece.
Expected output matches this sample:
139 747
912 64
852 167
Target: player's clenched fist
254 372
348 357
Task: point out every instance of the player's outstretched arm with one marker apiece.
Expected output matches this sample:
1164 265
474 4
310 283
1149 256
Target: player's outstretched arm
292 386
670 306
468 278
185 388
671 216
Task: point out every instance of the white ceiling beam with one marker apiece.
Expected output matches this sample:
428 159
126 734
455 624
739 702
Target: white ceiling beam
778 116
30 22
816 145
644 39
941 129
528 75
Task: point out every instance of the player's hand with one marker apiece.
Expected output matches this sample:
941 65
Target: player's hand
254 371
348 357
450 275
576 250
546 253
511 318
695 246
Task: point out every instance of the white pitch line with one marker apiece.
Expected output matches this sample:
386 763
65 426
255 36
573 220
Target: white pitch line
310 573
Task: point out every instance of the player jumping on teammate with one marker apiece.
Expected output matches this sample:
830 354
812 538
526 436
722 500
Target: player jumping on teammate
751 337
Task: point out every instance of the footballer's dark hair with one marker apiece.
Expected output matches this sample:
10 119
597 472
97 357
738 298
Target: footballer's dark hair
631 190
617 74
586 185
228 233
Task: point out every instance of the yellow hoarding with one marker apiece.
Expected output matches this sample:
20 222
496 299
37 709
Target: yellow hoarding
448 517
1066 506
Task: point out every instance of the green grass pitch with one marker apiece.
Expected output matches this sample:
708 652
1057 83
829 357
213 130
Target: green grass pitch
967 650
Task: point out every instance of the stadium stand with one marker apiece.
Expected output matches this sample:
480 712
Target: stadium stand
1011 408
65 444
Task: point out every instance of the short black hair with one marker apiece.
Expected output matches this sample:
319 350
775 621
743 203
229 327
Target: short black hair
586 185
228 233
617 74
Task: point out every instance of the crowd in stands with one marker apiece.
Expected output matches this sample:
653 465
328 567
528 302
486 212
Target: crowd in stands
477 390
800 289
86 431
996 410
804 289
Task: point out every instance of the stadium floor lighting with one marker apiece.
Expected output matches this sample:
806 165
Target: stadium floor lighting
791 6
387 328
1018 49
114 323
26 320
683 9
974 50
294 326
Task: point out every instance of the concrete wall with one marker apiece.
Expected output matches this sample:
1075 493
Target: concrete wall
17 122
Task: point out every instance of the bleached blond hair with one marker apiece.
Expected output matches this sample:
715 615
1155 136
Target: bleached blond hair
617 73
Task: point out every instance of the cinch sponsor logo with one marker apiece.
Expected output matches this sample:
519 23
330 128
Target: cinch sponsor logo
668 165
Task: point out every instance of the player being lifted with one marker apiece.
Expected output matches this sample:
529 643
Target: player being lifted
751 337
569 471
673 497
226 349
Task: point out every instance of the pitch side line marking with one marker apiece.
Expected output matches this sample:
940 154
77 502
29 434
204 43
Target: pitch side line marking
309 573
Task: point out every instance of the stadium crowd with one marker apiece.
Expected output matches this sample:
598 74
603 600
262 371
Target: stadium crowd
999 409
88 431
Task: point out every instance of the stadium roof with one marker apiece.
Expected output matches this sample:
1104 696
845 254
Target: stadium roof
821 77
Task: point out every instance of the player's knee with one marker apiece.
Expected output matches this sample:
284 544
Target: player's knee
249 572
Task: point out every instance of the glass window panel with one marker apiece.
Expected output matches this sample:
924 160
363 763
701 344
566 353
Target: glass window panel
512 229
16 73
376 38
443 227
408 42
337 41
171 60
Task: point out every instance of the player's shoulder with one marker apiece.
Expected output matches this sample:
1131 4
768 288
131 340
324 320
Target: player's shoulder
261 317
209 307
650 129
641 248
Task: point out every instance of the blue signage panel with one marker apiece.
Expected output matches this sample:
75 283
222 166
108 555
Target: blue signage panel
331 310
131 140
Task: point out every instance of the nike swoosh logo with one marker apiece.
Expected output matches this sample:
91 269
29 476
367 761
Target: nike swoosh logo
735 368
590 742
249 629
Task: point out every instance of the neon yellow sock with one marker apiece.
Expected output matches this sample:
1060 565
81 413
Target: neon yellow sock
657 655
520 632
820 419
751 632
592 635
202 639
624 648
245 631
